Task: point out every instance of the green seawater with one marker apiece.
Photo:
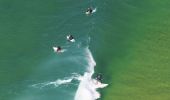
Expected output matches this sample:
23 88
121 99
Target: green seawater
28 31
129 39
133 50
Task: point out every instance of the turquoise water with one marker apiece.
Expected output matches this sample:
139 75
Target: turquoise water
28 31
29 69
128 39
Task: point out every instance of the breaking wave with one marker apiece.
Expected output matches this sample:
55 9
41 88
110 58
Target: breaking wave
88 86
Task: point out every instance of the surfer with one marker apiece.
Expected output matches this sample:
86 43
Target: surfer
99 77
89 11
70 38
57 49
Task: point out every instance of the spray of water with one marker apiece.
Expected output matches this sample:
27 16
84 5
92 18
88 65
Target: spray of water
87 89
58 82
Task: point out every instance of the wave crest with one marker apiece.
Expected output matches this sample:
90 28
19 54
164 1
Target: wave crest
87 89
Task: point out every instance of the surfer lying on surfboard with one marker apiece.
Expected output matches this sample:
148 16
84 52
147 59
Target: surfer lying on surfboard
57 49
70 38
90 11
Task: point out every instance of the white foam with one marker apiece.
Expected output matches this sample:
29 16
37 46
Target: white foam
87 89
58 82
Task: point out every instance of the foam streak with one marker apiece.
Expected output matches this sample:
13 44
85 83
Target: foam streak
58 82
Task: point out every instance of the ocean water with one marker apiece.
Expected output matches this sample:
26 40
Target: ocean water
29 68
133 49
127 41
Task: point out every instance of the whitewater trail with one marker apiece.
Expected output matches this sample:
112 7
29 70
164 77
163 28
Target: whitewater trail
58 82
88 86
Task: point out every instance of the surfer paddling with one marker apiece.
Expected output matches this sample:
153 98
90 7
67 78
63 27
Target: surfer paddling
89 11
57 49
70 38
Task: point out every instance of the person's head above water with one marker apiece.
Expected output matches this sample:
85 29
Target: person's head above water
70 37
99 77
58 48
90 10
